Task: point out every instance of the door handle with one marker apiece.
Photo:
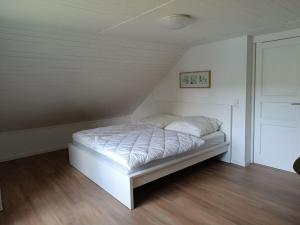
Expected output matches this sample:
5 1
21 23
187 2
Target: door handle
295 103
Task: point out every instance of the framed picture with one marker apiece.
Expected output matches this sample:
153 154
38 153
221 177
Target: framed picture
195 79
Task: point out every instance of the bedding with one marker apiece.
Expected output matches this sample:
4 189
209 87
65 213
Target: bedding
198 126
209 141
160 120
134 145
213 139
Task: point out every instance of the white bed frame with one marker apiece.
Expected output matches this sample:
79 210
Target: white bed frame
121 185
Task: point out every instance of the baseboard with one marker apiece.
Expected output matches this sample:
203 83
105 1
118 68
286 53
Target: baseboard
243 164
1 206
29 142
32 153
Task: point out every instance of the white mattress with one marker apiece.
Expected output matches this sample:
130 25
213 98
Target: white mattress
134 145
213 139
137 146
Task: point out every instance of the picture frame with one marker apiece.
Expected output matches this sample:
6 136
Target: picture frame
195 79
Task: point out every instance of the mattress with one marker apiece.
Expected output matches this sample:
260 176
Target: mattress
132 147
213 139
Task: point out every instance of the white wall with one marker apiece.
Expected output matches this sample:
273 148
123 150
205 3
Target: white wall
23 143
229 62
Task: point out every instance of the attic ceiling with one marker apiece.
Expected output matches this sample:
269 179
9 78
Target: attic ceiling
137 19
65 61
48 79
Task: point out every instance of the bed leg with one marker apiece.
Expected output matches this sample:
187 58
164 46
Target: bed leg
125 193
117 184
125 196
131 196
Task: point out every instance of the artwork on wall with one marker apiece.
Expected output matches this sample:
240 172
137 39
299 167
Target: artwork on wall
195 79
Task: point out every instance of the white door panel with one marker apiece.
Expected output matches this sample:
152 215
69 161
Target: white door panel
278 111
280 71
278 146
277 120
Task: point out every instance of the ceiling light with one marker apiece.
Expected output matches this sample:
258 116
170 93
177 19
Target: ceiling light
176 21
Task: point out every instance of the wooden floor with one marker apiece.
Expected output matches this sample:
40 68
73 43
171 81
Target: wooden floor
45 189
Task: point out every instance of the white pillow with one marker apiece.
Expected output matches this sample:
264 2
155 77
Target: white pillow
195 125
160 120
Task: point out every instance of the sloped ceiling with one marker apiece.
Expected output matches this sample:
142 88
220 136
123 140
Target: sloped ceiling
72 60
214 20
48 79
137 19
55 69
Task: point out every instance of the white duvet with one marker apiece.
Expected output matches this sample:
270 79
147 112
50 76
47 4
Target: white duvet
134 145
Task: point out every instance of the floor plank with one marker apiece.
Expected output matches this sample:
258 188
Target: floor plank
45 189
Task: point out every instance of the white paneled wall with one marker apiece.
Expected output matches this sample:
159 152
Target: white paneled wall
23 143
228 61
56 78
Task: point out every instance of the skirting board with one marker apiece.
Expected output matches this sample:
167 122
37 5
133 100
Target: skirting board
24 143
1 207
239 163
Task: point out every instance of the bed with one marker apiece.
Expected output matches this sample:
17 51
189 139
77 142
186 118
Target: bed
122 157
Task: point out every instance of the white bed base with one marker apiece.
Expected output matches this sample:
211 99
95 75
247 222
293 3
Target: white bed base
121 185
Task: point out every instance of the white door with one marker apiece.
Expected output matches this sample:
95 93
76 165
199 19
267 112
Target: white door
277 103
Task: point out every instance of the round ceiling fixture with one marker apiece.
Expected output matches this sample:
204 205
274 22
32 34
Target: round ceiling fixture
176 21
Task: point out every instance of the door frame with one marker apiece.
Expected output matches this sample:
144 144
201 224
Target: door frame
263 39
254 46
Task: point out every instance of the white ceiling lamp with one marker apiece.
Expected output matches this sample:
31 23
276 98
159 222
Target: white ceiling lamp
176 21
